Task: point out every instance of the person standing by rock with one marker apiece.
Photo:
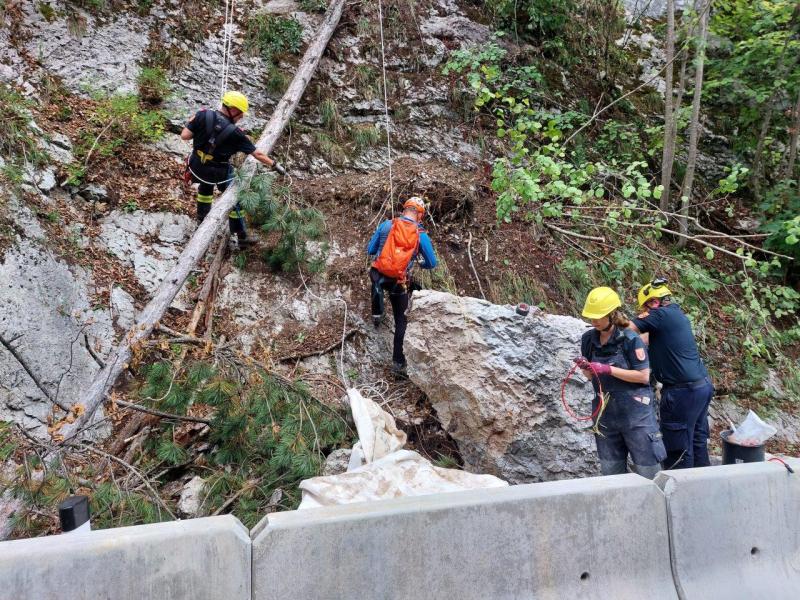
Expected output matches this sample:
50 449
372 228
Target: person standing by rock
687 389
215 139
617 357
394 248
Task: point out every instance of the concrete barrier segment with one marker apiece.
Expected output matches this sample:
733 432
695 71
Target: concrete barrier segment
597 538
735 531
197 559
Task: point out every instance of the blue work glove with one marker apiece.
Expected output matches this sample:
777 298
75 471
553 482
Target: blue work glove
279 168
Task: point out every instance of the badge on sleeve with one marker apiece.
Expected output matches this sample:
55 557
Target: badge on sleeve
640 353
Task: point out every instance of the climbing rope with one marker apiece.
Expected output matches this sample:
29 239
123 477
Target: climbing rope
600 405
201 180
386 109
227 39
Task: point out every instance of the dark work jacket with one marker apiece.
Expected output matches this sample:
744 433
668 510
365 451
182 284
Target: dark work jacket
630 404
673 348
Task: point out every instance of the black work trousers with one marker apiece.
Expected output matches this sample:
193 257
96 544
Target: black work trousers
398 297
684 424
205 175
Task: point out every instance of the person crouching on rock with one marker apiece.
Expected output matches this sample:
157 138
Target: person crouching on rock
626 425
215 139
394 248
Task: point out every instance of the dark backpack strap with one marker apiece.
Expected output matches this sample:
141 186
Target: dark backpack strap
217 132
225 133
211 119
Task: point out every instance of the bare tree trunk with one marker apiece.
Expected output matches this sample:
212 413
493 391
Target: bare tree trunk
755 175
668 156
795 133
197 246
694 124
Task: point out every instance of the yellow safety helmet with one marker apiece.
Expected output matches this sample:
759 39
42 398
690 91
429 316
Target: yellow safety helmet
416 203
600 302
235 100
655 289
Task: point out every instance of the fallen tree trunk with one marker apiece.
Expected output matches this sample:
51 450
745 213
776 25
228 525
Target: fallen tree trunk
202 238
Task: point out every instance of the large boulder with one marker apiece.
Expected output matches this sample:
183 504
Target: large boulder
494 379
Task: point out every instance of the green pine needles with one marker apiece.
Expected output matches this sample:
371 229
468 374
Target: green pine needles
294 233
266 434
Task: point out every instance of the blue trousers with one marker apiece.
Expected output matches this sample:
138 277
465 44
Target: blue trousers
684 424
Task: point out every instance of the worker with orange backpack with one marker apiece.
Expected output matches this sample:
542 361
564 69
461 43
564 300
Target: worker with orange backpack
394 247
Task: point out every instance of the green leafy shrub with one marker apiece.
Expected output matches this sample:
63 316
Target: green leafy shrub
115 122
538 18
781 207
276 80
269 35
17 138
153 84
365 136
314 5
46 10
330 116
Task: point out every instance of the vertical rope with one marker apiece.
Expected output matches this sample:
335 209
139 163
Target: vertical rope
386 109
227 39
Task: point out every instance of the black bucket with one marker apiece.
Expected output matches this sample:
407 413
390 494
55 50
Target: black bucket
734 453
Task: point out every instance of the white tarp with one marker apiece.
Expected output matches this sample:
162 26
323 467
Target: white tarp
389 471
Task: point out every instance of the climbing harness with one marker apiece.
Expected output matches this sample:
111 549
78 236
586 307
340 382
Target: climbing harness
217 135
600 405
201 180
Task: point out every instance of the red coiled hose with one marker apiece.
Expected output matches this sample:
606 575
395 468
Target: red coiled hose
564 397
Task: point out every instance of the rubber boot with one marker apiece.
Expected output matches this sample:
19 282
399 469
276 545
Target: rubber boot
243 241
203 206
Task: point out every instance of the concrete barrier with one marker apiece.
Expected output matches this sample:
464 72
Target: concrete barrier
598 538
735 531
199 559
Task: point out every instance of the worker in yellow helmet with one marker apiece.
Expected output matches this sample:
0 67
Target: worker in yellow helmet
216 138
627 426
687 389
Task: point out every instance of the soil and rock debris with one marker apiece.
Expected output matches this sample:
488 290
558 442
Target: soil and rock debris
80 255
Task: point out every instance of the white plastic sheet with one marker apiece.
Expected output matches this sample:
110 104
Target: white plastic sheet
752 431
389 471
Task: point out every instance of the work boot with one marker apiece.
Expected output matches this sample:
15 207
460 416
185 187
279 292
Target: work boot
243 241
399 369
376 320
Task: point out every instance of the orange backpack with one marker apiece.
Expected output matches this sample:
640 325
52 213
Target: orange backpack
400 247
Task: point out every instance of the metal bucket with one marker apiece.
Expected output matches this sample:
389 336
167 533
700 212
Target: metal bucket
734 453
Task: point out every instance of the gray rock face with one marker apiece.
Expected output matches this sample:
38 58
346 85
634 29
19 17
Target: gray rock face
337 462
653 9
198 85
192 497
105 56
123 309
494 379
11 63
150 242
45 312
